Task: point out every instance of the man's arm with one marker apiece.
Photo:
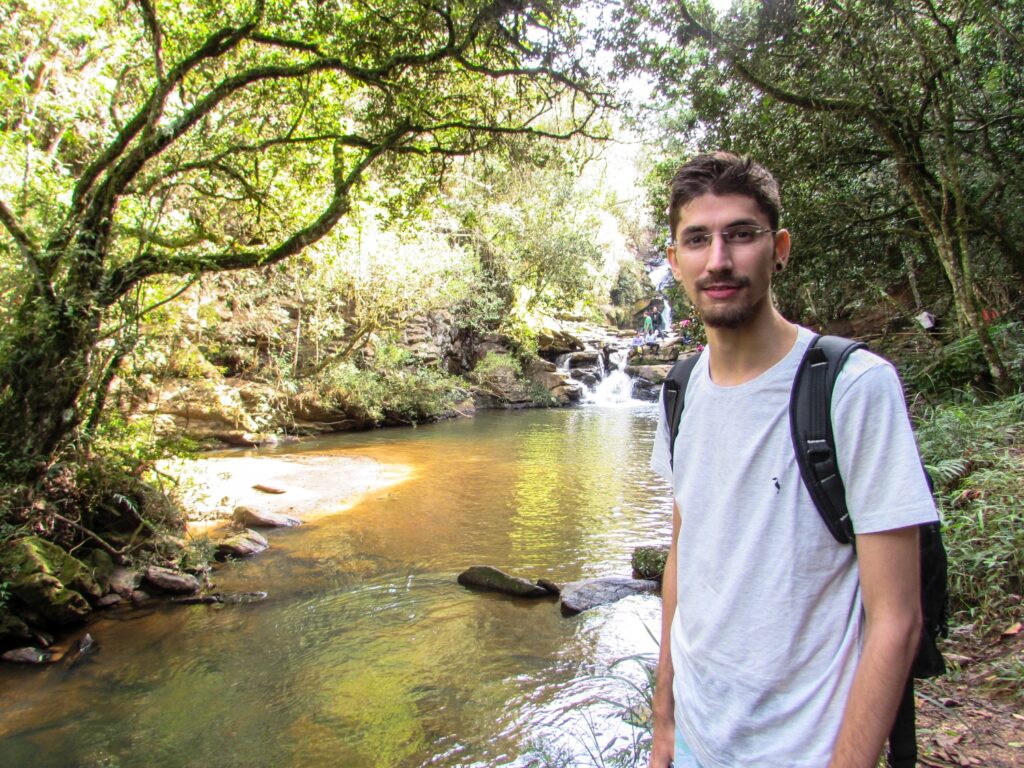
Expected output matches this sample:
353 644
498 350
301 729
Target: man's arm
890 587
663 705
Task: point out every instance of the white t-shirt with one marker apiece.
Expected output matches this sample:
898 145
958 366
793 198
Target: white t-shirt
768 625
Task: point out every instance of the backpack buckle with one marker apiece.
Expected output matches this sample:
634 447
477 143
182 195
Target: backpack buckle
818 450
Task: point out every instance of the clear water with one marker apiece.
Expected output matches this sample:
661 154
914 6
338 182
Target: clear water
367 652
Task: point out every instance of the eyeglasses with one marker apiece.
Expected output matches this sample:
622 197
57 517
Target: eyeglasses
737 236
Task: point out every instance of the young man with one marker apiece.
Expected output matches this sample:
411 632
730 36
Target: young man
780 647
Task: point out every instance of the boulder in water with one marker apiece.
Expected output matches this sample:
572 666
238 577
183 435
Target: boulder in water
488 578
27 656
244 544
171 581
254 518
579 596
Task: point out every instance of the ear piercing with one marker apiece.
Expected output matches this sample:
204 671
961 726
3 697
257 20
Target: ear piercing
778 266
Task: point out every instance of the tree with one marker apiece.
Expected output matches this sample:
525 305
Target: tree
926 82
152 139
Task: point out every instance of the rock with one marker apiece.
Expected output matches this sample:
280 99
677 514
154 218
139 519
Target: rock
171 581
108 601
27 656
13 630
124 581
244 544
139 597
649 562
579 596
486 577
268 488
655 374
249 517
102 566
49 581
198 599
550 586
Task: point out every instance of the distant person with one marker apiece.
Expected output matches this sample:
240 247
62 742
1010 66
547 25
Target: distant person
780 647
648 322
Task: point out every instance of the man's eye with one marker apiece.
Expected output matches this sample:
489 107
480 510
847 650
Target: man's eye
739 234
696 240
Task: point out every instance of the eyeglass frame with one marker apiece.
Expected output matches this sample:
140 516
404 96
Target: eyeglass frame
724 234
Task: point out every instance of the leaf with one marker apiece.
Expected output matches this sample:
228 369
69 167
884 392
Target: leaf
1013 629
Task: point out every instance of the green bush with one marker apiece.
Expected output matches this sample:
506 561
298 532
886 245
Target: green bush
974 452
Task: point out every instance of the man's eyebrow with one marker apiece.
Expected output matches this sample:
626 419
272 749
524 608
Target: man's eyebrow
744 221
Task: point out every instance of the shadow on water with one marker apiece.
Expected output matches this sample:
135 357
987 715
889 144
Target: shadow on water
367 652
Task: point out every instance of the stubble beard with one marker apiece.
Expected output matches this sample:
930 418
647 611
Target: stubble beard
728 317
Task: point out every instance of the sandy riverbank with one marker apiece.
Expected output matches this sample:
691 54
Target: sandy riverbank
313 485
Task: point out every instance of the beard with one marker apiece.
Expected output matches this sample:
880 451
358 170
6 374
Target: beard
729 317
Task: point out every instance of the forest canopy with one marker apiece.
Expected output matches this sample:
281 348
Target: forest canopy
154 139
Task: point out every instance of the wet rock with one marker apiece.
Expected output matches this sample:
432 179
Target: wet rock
488 578
244 544
579 596
27 656
249 517
139 597
124 581
649 562
110 600
168 580
198 599
49 581
550 586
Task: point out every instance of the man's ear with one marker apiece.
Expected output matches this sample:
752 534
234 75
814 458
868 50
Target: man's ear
782 247
673 264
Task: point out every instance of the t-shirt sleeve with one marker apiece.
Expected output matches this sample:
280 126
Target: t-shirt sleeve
661 461
886 487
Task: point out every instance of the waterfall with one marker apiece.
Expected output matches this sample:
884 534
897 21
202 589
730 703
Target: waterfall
616 386
666 318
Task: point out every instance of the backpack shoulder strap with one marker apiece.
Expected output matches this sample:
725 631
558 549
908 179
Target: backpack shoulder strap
810 420
674 396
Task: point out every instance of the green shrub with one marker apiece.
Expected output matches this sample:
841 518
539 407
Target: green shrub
974 454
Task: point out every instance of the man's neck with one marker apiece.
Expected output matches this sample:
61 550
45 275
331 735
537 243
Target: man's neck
739 355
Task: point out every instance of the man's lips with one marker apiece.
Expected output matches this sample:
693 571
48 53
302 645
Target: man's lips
720 289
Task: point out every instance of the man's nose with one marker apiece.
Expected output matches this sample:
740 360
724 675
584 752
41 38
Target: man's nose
719 255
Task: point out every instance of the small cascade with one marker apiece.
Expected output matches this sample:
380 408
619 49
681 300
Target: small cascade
563 363
666 318
616 386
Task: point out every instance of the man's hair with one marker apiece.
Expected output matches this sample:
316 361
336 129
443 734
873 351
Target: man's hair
723 173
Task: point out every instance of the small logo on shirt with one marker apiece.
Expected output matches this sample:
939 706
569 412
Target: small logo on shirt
777 486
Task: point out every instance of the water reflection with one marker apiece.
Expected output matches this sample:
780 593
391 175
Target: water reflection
367 652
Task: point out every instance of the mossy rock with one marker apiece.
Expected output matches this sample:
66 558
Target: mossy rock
649 562
48 581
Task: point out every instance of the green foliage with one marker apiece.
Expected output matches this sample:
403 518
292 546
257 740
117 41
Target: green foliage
974 454
960 365
392 391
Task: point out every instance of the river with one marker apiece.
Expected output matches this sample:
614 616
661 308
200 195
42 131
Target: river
367 652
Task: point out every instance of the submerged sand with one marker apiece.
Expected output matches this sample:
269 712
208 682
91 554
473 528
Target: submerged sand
312 485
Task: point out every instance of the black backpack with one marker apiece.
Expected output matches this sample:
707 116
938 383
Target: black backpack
810 410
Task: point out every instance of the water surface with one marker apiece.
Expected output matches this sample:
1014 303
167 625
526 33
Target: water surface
367 652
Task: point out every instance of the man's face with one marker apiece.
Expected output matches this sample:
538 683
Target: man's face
727 283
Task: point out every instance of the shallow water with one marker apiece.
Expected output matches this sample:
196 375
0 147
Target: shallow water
367 652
